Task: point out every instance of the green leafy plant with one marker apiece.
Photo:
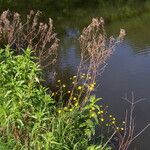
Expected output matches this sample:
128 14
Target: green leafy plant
30 118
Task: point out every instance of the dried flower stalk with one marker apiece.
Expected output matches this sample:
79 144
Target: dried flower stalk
33 34
95 50
129 135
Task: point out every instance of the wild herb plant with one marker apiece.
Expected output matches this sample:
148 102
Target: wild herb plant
30 119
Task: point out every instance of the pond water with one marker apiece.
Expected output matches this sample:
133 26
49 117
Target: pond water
128 69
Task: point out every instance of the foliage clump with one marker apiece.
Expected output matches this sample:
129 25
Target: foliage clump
29 117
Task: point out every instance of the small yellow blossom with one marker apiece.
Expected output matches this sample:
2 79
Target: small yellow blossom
106 124
64 86
59 111
123 122
91 88
122 129
68 92
92 85
65 108
113 122
82 76
74 76
58 81
71 109
102 119
93 108
110 116
73 82
89 78
79 87
74 98
101 111
92 115
113 118
76 104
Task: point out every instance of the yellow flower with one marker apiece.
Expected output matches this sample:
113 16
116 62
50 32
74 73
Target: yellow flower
89 78
79 87
92 115
64 86
91 88
58 81
117 128
82 76
74 98
73 82
92 85
113 122
68 92
71 109
106 124
102 119
99 112
122 129
76 104
93 108
113 118
110 116
102 111
74 76
123 122
59 111
65 108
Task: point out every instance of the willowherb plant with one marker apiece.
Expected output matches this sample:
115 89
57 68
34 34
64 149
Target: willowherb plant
30 33
96 48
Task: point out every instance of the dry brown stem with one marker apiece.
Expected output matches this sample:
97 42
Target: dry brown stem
30 33
129 134
96 48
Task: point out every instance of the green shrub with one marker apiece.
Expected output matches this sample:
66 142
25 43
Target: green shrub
30 119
